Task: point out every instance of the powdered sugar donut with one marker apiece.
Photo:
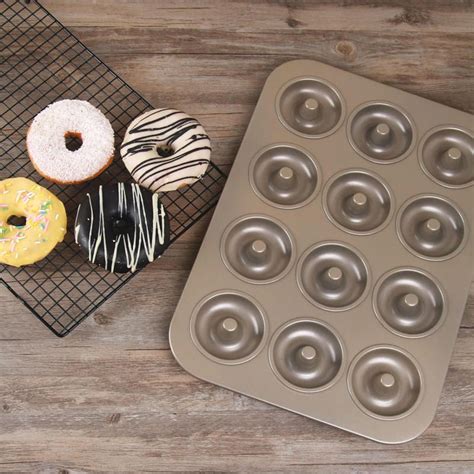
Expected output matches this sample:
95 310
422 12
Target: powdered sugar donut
165 149
46 142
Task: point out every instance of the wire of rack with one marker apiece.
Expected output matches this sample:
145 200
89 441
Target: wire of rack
41 62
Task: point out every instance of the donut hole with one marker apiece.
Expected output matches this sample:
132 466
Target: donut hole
122 225
73 140
17 221
164 150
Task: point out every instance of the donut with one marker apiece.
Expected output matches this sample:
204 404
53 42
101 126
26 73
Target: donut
32 221
47 135
165 149
122 227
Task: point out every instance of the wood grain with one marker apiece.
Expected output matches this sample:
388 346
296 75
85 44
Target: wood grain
110 396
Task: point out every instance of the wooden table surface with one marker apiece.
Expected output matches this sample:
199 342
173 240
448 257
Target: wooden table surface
110 396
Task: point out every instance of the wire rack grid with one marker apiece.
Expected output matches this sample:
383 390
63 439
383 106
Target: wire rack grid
42 62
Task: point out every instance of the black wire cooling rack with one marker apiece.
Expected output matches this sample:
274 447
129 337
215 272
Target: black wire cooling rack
41 62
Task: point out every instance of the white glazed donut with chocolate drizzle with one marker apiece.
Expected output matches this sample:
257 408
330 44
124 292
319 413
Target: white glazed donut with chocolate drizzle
165 149
122 227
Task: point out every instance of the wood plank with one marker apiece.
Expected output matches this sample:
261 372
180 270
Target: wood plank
454 16
110 397
232 81
138 396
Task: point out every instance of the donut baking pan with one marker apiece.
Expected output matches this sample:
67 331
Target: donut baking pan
335 271
41 62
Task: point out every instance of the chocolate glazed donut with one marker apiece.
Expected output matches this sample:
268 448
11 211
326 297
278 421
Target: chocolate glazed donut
122 227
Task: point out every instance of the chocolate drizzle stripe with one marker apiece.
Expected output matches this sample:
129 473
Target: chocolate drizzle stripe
171 170
165 128
152 162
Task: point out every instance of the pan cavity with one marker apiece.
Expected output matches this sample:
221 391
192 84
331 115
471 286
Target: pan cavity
381 133
358 202
409 302
310 107
257 249
385 382
228 327
306 355
333 276
431 227
285 176
447 156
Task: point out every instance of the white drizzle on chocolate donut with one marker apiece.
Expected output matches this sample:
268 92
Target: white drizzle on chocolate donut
149 234
165 149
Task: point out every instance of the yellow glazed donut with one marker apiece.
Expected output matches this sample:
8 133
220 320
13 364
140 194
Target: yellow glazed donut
45 225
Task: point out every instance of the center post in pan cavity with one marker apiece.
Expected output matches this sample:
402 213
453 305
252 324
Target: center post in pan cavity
230 324
259 246
309 109
380 134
